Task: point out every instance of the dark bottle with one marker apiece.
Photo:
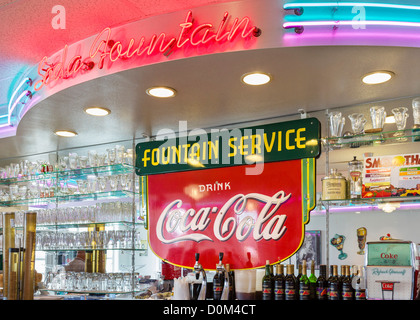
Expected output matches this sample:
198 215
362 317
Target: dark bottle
232 275
304 290
297 280
346 288
218 279
322 283
290 283
267 283
342 276
279 291
328 281
334 285
231 287
312 281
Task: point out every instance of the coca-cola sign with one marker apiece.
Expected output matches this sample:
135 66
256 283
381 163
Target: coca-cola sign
248 218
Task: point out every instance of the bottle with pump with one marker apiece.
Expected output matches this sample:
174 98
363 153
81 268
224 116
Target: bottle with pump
218 279
199 291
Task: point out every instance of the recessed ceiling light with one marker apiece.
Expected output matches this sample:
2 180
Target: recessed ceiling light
377 77
97 111
256 78
65 133
161 92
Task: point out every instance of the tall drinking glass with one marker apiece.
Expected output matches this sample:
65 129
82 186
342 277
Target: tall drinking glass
400 115
377 116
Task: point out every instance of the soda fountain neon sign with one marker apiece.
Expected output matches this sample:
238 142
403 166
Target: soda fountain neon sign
105 48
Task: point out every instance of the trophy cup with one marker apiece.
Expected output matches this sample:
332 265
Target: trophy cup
361 239
338 242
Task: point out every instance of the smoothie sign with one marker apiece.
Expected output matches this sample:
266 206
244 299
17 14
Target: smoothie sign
250 212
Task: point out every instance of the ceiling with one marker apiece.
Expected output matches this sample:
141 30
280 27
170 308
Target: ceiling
310 78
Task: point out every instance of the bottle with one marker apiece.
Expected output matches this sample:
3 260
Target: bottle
304 290
342 275
334 285
359 285
347 289
267 283
328 281
279 293
290 283
322 283
312 281
297 280
218 279
232 274
231 287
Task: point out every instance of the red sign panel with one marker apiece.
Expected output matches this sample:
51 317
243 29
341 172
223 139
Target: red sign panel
250 219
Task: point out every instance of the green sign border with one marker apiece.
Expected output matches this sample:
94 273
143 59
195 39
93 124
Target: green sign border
296 139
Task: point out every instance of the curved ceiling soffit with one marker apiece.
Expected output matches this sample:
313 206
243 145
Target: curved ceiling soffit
206 30
188 33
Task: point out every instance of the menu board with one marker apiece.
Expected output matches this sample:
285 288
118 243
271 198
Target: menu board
391 176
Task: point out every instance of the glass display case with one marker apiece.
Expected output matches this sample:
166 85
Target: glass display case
90 233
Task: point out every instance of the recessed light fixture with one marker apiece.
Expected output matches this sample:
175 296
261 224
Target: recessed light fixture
161 92
377 77
65 133
256 78
97 111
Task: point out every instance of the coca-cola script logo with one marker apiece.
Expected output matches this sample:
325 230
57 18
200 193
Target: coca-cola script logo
250 220
174 219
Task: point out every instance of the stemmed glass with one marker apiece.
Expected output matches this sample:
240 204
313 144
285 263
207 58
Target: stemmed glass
338 242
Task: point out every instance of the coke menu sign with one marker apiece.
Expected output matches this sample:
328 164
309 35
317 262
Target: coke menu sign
248 218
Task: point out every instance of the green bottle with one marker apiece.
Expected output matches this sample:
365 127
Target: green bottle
267 283
312 281
304 289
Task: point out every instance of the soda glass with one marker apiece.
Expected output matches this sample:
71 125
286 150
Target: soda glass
336 122
377 115
358 122
400 115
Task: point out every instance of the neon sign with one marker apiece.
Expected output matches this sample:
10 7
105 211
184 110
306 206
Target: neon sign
105 48
355 14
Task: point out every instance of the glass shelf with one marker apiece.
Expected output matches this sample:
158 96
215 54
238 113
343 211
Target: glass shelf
91 249
368 204
374 139
79 173
96 292
70 198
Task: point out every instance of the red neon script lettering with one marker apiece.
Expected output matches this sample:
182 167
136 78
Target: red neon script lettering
104 48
